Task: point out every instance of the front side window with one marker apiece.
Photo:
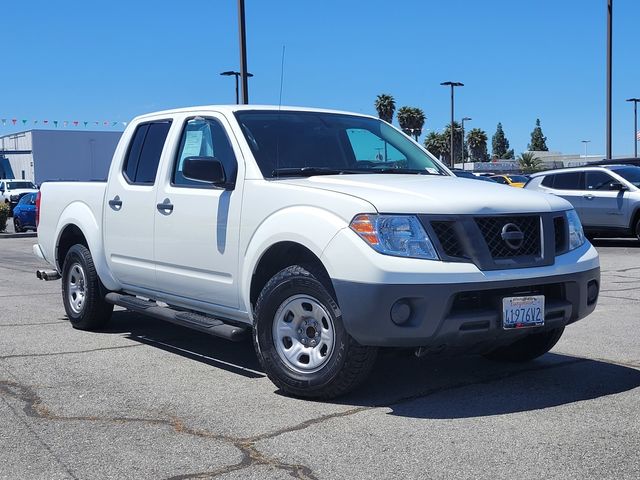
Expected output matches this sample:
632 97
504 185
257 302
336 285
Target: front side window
311 143
144 153
597 180
204 137
568 181
630 174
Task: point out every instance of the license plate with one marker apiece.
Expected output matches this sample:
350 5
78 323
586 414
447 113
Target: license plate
522 312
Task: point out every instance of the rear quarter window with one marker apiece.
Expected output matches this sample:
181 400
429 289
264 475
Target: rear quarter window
568 181
547 181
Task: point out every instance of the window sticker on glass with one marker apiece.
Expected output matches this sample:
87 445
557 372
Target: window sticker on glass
192 145
432 170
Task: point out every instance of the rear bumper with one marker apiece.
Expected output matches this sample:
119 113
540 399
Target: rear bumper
463 315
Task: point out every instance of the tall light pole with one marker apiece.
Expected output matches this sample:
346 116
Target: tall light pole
635 125
237 75
464 119
243 53
609 68
585 142
452 85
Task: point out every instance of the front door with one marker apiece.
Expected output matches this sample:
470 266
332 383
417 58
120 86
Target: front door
129 210
604 205
197 224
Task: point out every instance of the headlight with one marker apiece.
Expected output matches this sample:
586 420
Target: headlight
14 198
398 235
576 234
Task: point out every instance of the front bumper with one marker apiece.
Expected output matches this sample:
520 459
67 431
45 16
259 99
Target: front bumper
467 316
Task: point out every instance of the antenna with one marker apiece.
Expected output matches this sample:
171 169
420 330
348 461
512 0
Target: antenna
281 78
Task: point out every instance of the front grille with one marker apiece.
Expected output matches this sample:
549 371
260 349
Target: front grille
448 237
560 232
491 229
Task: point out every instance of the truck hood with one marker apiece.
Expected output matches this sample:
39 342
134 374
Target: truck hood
435 194
20 191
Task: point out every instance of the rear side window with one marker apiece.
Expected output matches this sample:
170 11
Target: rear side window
568 181
144 153
547 181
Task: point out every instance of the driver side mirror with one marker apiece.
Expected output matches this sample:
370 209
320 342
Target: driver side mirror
205 170
618 187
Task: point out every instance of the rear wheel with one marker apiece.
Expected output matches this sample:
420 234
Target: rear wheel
82 291
300 338
637 228
17 226
527 348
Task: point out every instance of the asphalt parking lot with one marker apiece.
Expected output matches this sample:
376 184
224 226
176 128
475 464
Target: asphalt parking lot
150 400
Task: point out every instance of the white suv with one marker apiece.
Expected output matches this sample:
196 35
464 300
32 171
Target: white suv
607 198
11 191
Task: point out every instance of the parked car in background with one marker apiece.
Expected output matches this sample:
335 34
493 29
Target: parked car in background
11 191
607 198
618 161
24 214
466 174
512 180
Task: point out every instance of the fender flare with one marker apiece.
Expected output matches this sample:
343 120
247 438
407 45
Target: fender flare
80 215
311 227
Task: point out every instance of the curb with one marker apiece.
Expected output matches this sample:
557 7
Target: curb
19 235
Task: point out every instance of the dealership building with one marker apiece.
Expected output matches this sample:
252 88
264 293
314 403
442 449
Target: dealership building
44 155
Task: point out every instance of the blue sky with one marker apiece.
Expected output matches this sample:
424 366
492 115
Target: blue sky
519 60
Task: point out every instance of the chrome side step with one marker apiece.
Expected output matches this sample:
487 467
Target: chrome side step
196 321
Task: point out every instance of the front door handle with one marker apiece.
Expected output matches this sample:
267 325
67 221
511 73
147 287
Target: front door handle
589 197
116 203
166 207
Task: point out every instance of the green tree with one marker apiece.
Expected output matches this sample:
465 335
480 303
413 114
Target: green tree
529 163
385 105
500 144
457 143
411 120
437 144
538 140
477 142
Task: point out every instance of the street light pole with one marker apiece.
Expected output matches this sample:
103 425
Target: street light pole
463 149
635 125
237 75
452 85
609 68
585 142
243 53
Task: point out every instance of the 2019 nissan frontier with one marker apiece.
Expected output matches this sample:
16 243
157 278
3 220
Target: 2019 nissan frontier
324 235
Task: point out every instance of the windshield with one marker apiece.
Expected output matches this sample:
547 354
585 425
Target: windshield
17 185
630 174
309 143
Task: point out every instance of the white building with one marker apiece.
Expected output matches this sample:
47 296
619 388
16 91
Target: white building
41 155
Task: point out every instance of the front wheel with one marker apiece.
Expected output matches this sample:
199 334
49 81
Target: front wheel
82 291
637 229
300 338
527 348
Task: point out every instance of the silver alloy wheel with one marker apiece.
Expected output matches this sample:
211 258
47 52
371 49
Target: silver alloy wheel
303 333
76 288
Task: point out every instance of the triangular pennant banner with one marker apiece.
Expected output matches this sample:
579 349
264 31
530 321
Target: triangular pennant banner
85 124
55 122
4 122
75 123
13 120
24 122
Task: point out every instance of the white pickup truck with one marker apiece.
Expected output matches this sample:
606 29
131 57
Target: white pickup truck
324 235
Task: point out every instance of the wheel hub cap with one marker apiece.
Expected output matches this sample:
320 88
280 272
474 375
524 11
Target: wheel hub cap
303 333
76 287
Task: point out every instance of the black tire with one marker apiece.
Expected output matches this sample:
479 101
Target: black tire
528 348
345 366
17 227
79 276
637 228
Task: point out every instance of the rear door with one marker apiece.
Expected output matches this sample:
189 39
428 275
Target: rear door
568 186
197 224
604 206
129 213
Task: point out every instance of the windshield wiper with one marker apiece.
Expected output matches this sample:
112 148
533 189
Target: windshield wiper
401 170
307 171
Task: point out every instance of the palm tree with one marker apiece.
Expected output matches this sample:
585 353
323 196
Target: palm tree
477 142
529 163
411 120
385 105
437 144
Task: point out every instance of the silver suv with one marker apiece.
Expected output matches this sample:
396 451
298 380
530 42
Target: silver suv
607 198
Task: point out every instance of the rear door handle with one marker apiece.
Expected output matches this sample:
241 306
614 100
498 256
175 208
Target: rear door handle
166 207
116 203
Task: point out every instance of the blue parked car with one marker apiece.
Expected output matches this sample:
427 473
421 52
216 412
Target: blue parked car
24 213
